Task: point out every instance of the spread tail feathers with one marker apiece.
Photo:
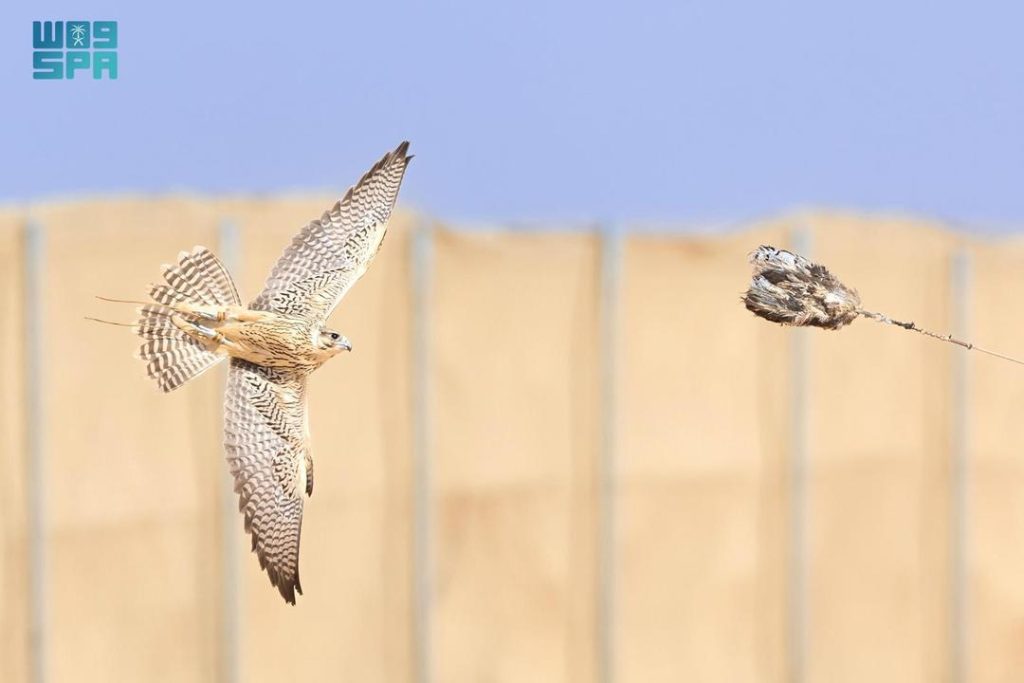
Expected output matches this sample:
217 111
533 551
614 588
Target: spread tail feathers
172 356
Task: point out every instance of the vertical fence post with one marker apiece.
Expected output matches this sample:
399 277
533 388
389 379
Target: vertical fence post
960 288
35 449
422 524
230 608
611 275
798 507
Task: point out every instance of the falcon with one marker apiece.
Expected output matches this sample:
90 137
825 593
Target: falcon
195 320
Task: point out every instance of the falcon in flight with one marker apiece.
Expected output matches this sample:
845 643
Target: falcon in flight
196 319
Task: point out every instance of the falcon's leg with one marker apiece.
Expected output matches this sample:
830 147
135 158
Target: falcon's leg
206 334
219 314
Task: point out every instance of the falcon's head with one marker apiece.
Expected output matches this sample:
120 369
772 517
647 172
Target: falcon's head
333 342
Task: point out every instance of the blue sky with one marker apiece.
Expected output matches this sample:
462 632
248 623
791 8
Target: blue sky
658 110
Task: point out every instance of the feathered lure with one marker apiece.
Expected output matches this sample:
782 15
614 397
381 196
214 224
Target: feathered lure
788 289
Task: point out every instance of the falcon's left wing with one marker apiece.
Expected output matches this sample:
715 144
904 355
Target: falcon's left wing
330 254
266 437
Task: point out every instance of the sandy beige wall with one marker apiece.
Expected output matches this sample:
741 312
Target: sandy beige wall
703 427
14 565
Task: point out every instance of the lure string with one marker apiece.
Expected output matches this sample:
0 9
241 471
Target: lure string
882 318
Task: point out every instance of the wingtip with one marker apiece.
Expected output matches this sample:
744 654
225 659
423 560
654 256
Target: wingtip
401 153
287 591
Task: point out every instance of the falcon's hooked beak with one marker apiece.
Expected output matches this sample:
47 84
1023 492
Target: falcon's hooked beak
343 343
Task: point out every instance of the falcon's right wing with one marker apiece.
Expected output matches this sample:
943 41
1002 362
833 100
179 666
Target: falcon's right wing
266 437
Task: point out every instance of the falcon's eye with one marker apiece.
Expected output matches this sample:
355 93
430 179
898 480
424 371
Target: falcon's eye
334 336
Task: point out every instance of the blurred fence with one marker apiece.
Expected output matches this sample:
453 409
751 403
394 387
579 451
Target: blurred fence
553 456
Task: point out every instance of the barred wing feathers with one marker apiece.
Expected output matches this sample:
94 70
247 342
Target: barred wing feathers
330 254
266 437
